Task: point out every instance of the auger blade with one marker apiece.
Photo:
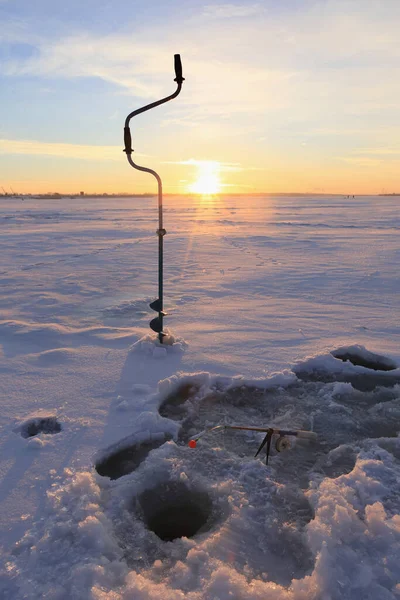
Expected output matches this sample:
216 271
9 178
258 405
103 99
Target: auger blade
156 325
156 305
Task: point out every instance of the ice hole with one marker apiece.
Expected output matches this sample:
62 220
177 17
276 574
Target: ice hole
37 425
127 459
365 359
172 407
172 510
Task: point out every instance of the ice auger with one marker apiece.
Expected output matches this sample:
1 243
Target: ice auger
157 305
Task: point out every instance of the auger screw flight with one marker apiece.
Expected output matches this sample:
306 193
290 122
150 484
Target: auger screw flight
157 305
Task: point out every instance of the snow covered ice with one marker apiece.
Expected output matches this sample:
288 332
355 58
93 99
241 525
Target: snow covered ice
283 311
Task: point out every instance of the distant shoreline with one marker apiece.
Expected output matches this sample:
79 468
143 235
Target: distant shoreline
56 195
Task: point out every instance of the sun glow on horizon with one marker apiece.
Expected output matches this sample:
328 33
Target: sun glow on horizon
208 181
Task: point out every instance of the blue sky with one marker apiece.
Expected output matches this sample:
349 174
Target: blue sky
289 95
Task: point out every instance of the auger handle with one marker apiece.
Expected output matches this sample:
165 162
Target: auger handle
178 69
128 140
179 79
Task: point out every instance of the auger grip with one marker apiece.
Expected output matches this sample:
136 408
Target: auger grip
127 140
178 69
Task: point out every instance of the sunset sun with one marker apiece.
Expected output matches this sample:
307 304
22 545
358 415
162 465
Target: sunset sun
207 182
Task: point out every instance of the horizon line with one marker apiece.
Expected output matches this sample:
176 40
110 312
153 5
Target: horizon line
55 195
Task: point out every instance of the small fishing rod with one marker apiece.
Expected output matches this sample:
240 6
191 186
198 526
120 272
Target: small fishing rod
157 305
282 443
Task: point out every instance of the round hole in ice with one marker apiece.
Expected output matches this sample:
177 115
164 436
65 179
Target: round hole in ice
123 458
172 406
364 358
38 425
172 510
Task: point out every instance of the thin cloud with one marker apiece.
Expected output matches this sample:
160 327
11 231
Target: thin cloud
196 163
111 59
231 11
352 132
379 151
362 161
372 157
274 67
222 166
78 151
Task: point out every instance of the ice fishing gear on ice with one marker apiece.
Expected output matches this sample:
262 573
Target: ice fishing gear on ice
282 442
157 305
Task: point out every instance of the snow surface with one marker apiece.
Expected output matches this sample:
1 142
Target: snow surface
283 311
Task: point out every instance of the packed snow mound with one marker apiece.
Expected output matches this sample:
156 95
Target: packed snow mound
150 346
128 308
26 338
50 358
